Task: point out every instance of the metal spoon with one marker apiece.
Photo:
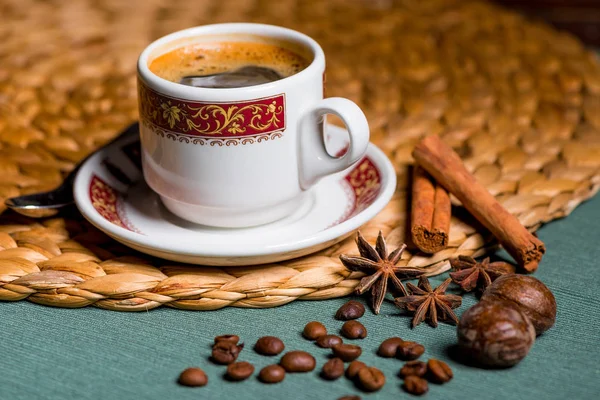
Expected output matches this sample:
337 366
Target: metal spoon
38 205
243 77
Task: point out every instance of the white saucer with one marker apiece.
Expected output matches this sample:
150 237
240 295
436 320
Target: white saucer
110 193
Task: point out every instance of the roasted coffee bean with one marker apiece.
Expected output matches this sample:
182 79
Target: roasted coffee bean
353 368
438 371
239 371
328 341
408 351
389 347
225 352
193 377
370 379
269 346
333 369
271 374
415 385
350 397
313 330
354 330
351 310
347 352
413 368
228 338
298 361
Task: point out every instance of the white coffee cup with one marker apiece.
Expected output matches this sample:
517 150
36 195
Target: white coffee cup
213 168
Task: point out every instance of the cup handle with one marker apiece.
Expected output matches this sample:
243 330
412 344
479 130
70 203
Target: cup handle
315 162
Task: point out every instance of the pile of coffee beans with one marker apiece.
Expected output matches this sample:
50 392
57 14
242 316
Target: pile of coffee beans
367 378
343 359
416 374
401 349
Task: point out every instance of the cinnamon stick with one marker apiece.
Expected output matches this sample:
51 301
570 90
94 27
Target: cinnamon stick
430 213
441 162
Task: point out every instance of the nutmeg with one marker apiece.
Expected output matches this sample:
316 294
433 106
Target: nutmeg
529 294
495 333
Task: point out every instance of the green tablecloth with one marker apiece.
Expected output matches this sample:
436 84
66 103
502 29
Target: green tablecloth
52 353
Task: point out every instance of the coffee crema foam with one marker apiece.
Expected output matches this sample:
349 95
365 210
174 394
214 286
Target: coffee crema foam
218 57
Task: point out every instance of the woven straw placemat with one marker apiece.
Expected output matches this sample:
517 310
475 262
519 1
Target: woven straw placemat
520 101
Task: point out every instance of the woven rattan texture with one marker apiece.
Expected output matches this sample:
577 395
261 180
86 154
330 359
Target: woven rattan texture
520 101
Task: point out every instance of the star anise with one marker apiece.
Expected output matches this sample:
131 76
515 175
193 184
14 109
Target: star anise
470 274
379 267
429 304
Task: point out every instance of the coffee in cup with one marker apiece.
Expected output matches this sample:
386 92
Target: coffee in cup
228 64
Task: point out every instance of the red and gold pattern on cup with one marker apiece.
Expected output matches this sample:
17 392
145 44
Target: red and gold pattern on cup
172 117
